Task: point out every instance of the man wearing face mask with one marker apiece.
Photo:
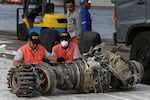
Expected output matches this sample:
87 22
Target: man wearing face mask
66 51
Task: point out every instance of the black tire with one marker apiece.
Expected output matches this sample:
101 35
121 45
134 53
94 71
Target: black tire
48 38
22 32
140 50
87 40
49 75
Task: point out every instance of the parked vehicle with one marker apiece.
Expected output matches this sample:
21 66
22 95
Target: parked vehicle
132 22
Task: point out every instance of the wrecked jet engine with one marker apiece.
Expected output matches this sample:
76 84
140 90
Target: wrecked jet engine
96 71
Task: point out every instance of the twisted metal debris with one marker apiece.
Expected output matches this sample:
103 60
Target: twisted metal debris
96 71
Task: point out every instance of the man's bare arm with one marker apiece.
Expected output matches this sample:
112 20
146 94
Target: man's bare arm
16 63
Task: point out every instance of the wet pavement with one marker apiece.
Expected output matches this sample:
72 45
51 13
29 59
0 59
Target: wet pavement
8 46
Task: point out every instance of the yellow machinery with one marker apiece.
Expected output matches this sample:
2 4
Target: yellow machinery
40 17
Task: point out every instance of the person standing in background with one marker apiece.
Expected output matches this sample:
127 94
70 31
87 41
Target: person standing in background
86 20
73 20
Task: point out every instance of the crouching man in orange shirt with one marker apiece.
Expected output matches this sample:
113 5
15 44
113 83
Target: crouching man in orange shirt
66 50
32 52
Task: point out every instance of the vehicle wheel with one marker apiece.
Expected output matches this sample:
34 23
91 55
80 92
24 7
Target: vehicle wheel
48 38
22 32
49 76
87 40
140 50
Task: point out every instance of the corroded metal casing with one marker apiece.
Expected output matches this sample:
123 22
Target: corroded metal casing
128 72
74 75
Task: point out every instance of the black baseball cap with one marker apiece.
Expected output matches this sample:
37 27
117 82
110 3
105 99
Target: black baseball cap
65 36
34 37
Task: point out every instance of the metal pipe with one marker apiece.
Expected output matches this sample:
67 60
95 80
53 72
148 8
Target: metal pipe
65 9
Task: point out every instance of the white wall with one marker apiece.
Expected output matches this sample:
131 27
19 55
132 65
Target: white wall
102 3
95 2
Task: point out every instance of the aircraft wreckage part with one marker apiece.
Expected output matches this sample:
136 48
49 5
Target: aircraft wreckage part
28 80
46 78
97 71
138 70
12 80
124 73
22 81
74 75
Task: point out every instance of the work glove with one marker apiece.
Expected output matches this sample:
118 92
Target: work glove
60 59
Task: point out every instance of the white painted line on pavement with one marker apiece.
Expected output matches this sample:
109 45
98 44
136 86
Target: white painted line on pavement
136 96
117 97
